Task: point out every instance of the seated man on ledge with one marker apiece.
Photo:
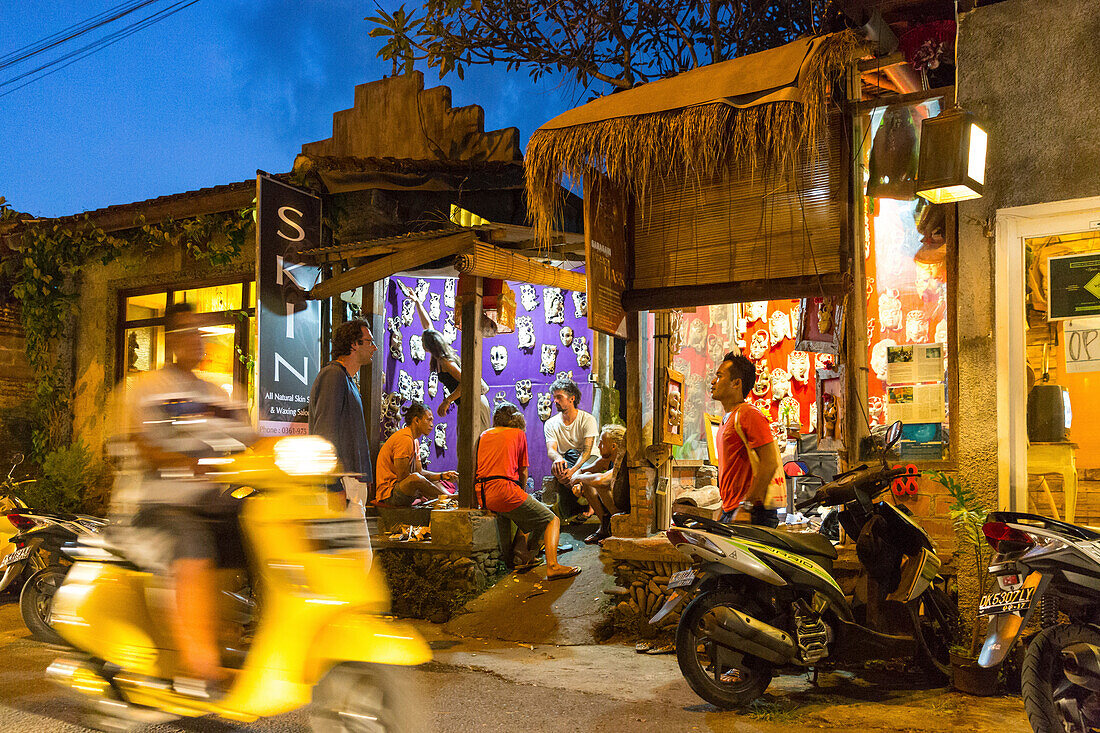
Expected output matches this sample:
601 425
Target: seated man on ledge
596 481
399 476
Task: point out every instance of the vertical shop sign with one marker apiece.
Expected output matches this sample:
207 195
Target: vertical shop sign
605 254
288 327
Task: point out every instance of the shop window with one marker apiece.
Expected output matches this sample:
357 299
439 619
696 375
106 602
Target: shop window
767 333
228 334
907 261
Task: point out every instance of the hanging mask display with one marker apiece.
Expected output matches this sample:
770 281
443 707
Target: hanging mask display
779 326
714 348
580 348
417 390
499 399
498 357
408 308
892 168
675 331
564 375
525 332
756 310
580 304
566 336
433 308
870 288
790 412
781 383
697 336
916 327
553 305
941 333
416 348
779 433
441 437
765 407
829 416
404 385
528 297
450 331
433 384
545 400
397 351
391 413
549 359
425 453
889 310
675 415
870 329
763 379
393 325
813 415
875 407
798 364
878 357
450 287
758 348
796 315
523 391
422 288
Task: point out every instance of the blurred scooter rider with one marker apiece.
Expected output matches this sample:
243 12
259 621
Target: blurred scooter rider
173 419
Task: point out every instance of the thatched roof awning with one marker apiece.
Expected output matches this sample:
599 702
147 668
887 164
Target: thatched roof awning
760 109
768 76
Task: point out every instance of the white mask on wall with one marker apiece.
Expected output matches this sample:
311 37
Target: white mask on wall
553 305
449 289
416 348
580 348
580 304
523 391
408 308
549 359
441 436
566 336
528 297
433 308
525 332
544 406
433 384
498 357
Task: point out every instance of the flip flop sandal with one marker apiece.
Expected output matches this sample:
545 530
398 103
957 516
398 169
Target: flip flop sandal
642 647
561 576
666 648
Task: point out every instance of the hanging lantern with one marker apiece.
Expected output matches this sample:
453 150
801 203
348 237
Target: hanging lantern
952 157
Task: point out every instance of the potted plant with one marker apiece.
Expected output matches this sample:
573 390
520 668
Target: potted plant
968 515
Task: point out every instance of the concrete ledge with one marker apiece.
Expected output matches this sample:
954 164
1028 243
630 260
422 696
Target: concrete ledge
652 549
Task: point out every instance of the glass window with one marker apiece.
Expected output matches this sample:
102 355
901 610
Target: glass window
143 350
140 307
905 270
214 299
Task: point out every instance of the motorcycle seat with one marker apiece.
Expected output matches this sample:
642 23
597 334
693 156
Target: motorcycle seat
802 543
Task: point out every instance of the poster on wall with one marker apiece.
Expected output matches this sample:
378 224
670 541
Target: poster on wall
1081 338
1074 284
288 327
605 255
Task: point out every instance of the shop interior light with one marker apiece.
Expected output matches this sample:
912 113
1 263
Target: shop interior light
217 330
952 157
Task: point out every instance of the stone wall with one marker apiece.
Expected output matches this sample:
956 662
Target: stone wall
433 584
16 387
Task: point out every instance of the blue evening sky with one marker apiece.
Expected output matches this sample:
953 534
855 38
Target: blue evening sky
204 97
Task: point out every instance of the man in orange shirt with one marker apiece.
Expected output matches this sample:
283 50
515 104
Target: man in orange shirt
741 490
501 476
400 477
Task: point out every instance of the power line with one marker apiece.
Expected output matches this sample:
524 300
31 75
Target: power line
67 34
72 57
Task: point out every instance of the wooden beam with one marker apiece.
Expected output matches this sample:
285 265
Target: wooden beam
736 292
470 404
413 254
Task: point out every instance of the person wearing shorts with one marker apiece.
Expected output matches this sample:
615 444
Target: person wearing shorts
400 477
501 476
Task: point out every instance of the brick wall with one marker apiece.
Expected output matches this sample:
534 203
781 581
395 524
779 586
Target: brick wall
930 506
16 386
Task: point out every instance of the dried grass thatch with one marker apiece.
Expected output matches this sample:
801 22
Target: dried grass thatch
640 152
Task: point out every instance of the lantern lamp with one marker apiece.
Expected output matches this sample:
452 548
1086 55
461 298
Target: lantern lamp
951 166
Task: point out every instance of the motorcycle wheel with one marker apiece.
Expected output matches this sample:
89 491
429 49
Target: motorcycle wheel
725 687
1054 704
934 621
35 600
364 698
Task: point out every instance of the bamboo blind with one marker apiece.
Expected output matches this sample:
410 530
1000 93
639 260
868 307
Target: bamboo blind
487 261
742 225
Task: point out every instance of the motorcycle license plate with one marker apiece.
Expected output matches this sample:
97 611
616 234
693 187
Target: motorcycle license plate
1006 601
681 579
21 554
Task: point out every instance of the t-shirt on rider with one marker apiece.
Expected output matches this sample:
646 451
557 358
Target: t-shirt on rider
734 469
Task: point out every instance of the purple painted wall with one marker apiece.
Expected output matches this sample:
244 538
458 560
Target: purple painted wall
522 364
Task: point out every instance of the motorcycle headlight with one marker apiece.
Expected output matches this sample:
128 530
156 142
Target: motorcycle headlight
305 455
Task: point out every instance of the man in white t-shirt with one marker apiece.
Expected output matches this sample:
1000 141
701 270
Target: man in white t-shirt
570 435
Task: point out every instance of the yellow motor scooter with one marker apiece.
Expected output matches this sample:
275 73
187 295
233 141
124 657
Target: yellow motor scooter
319 632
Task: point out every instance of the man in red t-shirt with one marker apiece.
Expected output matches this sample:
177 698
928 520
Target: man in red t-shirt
501 476
742 492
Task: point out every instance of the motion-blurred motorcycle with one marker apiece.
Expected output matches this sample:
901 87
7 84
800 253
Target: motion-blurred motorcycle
319 631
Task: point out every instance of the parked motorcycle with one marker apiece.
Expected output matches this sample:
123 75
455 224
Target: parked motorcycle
764 601
45 537
319 633
1054 567
16 563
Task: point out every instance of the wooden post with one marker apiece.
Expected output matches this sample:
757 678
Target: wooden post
371 376
635 441
468 407
662 359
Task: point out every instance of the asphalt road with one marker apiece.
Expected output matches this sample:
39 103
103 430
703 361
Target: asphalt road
485 685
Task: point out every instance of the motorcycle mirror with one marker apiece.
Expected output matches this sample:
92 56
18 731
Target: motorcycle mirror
17 458
795 468
893 434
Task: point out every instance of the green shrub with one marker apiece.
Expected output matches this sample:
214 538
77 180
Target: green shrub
72 480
